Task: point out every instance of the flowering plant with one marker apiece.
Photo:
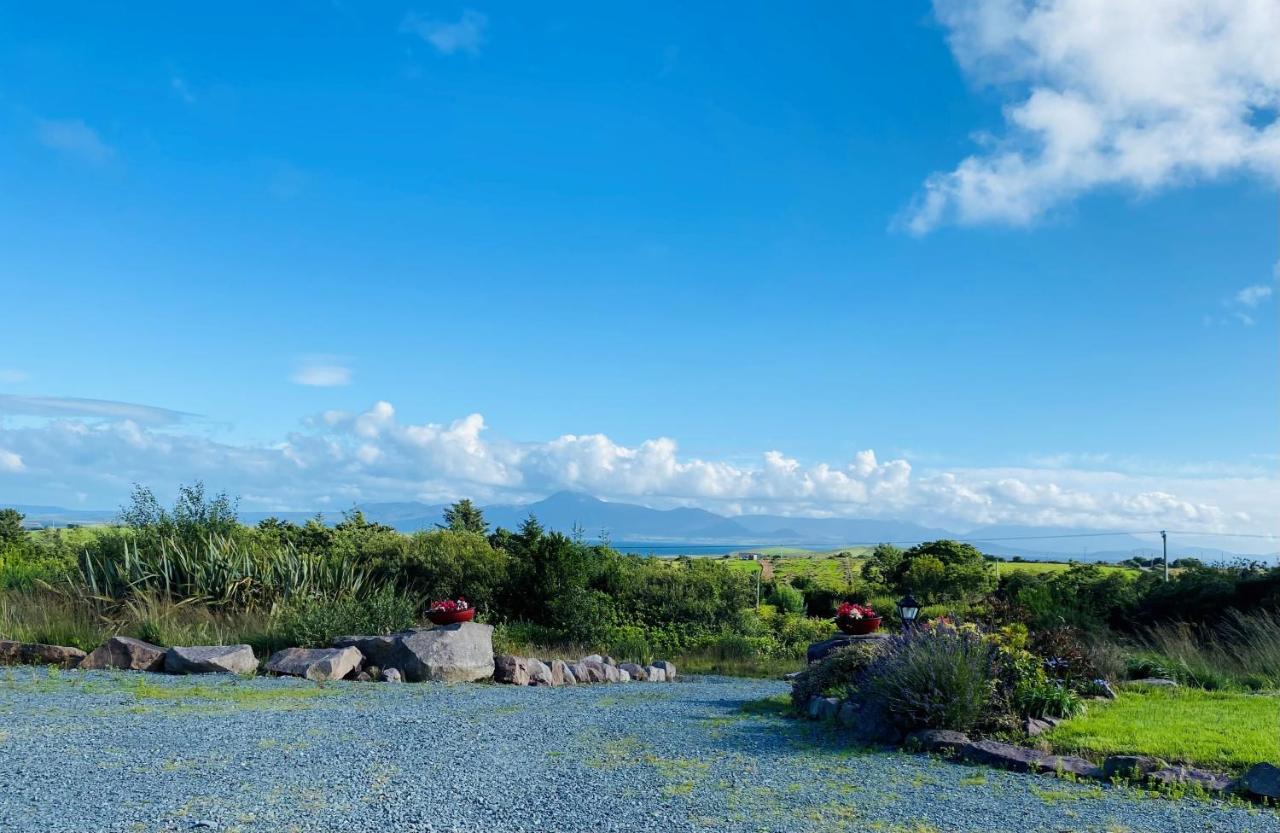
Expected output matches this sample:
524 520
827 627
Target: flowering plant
850 610
450 605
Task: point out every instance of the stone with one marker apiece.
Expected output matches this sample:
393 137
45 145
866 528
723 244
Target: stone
814 709
1133 767
1019 759
562 673
364 677
392 675
126 653
636 672
540 673
938 740
593 658
38 653
624 676
1212 782
587 672
1157 682
458 653
316 664
790 676
1034 727
1261 781
654 674
377 650
848 714
668 669
1105 691
511 669
870 726
819 650
608 660
611 673
210 659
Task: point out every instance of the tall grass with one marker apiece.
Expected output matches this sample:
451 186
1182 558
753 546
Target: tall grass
222 572
1242 651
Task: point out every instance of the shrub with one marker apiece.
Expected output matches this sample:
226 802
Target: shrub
934 679
1045 698
313 621
1065 656
788 599
835 675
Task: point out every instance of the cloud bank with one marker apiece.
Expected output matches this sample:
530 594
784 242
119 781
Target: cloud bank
341 457
1129 94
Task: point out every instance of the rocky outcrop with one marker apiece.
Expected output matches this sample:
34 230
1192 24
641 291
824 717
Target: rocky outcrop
125 653
668 670
318 664
377 650
459 653
38 653
654 674
211 659
392 675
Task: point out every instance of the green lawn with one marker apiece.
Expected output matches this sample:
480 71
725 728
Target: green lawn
1217 730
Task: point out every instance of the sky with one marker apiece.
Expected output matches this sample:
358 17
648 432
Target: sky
963 262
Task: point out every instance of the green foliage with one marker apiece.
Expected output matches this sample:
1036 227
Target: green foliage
835 675
465 516
935 571
12 534
446 564
1044 698
788 599
194 516
313 620
934 679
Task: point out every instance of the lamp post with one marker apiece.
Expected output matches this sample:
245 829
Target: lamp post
908 610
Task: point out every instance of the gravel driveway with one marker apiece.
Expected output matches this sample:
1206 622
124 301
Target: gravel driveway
93 752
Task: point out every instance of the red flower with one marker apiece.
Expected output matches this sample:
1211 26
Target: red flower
450 605
850 610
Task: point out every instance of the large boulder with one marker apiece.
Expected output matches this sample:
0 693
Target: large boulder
126 653
611 673
1019 759
210 659
1261 781
938 740
1133 767
318 664
540 673
1210 782
668 669
459 653
511 669
589 671
561 673
38 653
636 672
376 649
654 674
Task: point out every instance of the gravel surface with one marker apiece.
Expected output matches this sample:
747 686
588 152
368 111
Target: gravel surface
93 752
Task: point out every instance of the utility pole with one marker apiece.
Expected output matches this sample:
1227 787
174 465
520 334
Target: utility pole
1164 543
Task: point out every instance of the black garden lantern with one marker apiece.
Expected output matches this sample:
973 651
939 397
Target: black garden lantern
908 610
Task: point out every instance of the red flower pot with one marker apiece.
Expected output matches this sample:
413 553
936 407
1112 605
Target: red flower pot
859 627
451 617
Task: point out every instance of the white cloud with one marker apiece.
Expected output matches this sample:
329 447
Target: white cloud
181 90
463 35
74 138
1133 94
322 372
342 457
1252 296
72 406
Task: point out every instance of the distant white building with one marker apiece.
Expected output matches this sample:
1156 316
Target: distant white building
749 556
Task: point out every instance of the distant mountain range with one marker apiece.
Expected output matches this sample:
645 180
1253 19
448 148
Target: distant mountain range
637 526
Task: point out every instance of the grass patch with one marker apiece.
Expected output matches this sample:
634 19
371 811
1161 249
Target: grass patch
779 705
1213 729
766 668
230 694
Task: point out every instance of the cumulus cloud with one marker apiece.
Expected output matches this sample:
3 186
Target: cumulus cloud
340 457
1252 296
449 37
321 372
74 138
1127 94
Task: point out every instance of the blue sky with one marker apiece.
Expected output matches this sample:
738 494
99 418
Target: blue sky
649 246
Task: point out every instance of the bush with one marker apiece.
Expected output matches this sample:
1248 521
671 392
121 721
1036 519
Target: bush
788 599
934 679
835 675
1047 699
313 621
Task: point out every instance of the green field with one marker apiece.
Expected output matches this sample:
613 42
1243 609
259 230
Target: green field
1214 729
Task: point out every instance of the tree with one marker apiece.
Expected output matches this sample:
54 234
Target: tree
193 518
465 516
11 529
